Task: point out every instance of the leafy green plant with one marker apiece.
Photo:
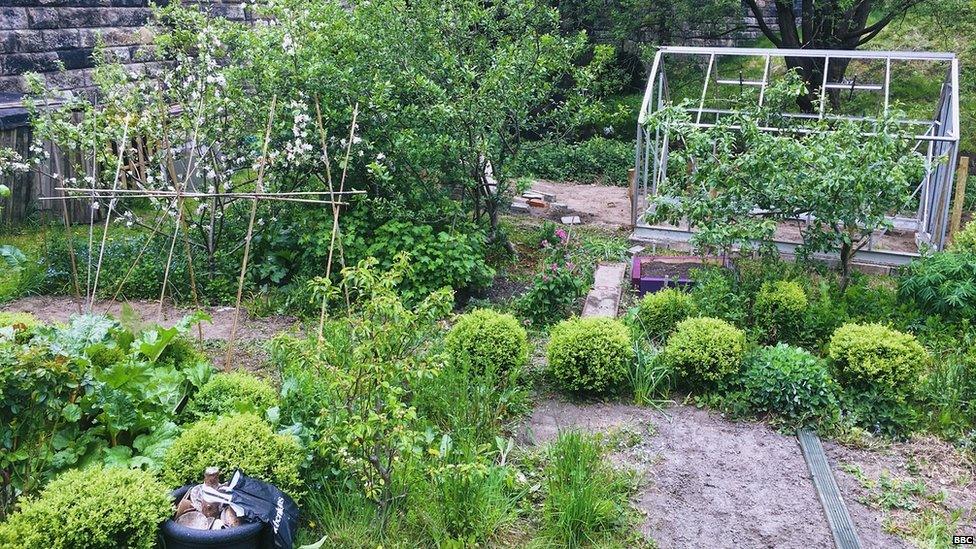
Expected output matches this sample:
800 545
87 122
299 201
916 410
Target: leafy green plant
94 508
585 500
552 295
364 369
965 240
233 392
659 312
488 342
705 351
779 310
243 441
589 355
792 385
715 294
943 283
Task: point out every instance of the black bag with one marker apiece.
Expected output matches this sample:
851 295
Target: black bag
256 501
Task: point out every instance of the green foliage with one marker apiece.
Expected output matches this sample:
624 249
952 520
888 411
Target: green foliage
94 508
779 310
965 240
92 391
589 355
585 499
715 294
948 392
649 376
740 168
872 355
553 293
487 341
943 283
595 160
370 362
233 392
792 385
881 369
705 351
464 499
243 441
659 312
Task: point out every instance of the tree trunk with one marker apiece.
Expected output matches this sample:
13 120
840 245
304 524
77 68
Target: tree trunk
846 254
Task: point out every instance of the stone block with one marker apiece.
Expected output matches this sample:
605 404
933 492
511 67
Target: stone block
570 220
12 84
77 58
43 18
13 18
558 207
20 41
60 39
19 63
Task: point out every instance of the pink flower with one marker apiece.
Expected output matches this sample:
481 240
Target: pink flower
545 244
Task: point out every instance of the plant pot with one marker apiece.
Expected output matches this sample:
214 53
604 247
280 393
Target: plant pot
250 535
674 271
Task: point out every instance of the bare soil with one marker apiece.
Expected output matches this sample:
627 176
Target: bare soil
599 205
669 269
709 482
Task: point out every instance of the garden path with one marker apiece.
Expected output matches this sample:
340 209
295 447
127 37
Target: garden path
709 482
600 205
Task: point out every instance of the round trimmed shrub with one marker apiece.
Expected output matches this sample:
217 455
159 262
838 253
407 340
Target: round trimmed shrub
703 351
779 309
658 313
589 355
873 356
231 392
242 441
94 508
791 383
486 341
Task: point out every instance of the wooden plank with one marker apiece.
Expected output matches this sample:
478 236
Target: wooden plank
962 172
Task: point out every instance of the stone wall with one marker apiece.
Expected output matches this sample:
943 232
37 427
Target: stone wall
44 35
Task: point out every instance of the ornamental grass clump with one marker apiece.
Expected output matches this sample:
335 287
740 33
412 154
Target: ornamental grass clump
243 441
94 508
231 392
485 341
589 355
705 351
658 313
779 310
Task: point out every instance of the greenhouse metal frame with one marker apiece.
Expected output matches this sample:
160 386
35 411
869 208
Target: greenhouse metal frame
936 138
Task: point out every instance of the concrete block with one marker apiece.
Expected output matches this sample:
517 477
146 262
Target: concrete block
13 18
570 220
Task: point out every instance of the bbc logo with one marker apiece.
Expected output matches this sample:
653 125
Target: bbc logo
964 540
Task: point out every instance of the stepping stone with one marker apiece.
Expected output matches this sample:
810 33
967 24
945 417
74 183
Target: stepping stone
570 220
634 250
558 207
519 207
604 298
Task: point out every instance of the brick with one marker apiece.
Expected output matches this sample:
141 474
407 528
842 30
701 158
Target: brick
43 18
13 18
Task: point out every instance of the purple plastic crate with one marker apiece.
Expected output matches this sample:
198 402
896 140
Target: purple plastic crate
645 284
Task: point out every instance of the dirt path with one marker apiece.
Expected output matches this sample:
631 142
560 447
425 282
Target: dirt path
600 205
708 482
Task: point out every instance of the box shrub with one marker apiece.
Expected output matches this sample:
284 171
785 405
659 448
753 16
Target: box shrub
487 341
658 313
93 508
704 351
233 392
779 309
242 441
589 355
965 240
873 356
792 384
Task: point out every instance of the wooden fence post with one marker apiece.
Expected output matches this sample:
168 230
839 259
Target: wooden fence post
962 173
